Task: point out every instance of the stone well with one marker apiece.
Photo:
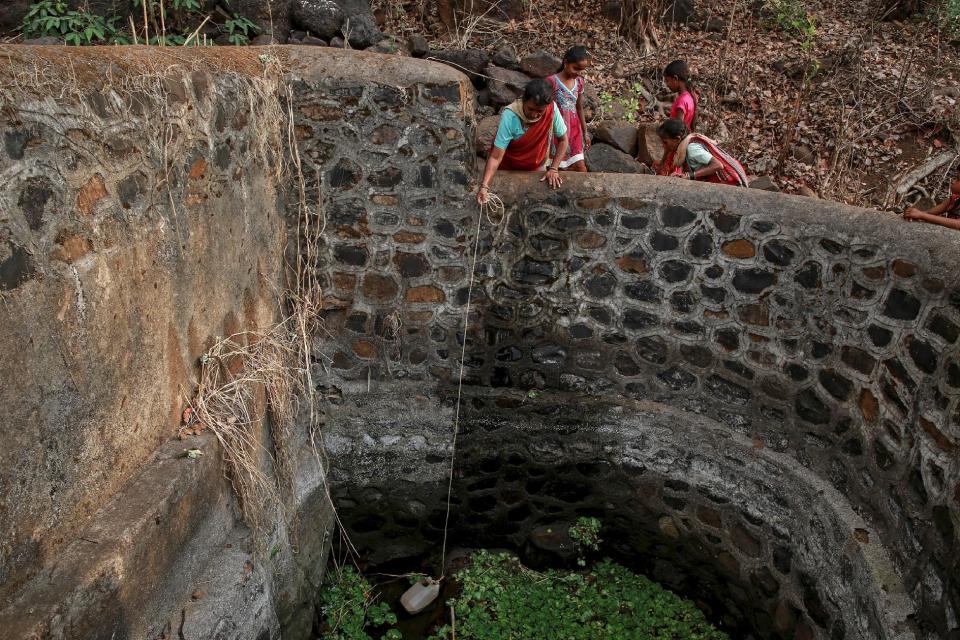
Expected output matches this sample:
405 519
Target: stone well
759 394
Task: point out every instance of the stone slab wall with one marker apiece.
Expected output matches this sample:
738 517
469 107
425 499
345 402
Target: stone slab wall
138 222
824 332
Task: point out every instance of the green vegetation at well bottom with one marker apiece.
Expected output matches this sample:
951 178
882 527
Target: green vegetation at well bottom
500 599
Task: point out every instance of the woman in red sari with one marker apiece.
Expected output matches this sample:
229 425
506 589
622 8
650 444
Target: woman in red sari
524 135
696 157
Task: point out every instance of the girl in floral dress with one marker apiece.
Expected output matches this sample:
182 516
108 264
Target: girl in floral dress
568 86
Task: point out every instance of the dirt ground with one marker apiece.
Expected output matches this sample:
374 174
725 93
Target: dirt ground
881 101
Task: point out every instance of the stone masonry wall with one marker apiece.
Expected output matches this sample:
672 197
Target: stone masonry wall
824 332
766 548
137 223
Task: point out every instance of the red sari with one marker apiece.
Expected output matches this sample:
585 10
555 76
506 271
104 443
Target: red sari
529 151
731 173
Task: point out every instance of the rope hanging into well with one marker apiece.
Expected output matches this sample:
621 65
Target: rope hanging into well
493 205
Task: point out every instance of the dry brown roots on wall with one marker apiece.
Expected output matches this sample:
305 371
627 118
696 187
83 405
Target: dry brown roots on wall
251 381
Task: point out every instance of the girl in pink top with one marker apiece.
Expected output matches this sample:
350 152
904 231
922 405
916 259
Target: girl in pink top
568 91
677 78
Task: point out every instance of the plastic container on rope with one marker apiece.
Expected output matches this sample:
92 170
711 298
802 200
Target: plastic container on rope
419 596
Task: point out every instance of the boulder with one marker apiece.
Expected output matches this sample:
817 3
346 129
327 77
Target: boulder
273 19
313 41
678 11
485 132
550 545
764 183
540 64
362 31
506 57
472 62
418 46
337 42
617 133
331 18
803 153
505 85
649 144
591 102
602 158
612 10
391 45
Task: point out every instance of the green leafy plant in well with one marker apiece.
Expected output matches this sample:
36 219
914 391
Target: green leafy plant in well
500 598
585 533
53 18
350 610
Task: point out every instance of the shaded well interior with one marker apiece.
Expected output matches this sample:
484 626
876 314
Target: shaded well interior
766 549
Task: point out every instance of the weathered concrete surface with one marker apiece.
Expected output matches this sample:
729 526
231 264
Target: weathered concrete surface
110 295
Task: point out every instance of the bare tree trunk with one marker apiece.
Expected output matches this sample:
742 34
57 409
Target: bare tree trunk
638 23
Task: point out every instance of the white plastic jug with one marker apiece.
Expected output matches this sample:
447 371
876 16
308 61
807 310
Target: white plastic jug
419 596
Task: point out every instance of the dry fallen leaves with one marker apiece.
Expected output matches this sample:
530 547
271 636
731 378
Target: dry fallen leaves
883 99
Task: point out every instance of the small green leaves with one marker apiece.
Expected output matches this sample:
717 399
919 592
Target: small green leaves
349 608
239 29
193 454
500 598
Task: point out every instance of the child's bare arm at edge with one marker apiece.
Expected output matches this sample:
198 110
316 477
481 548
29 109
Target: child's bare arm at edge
583 121
938 210
916 214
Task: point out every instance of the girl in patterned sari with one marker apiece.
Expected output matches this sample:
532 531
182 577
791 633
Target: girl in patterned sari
568 86
696 157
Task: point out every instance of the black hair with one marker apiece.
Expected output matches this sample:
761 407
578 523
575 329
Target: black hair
576 54
681 71
678 69
539 91
673 128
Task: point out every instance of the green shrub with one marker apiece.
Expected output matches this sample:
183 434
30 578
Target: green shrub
238 30
791 17
500 598
54 18
349 608
947 15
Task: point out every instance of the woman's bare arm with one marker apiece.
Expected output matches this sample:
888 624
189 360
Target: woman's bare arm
712 168
493 162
